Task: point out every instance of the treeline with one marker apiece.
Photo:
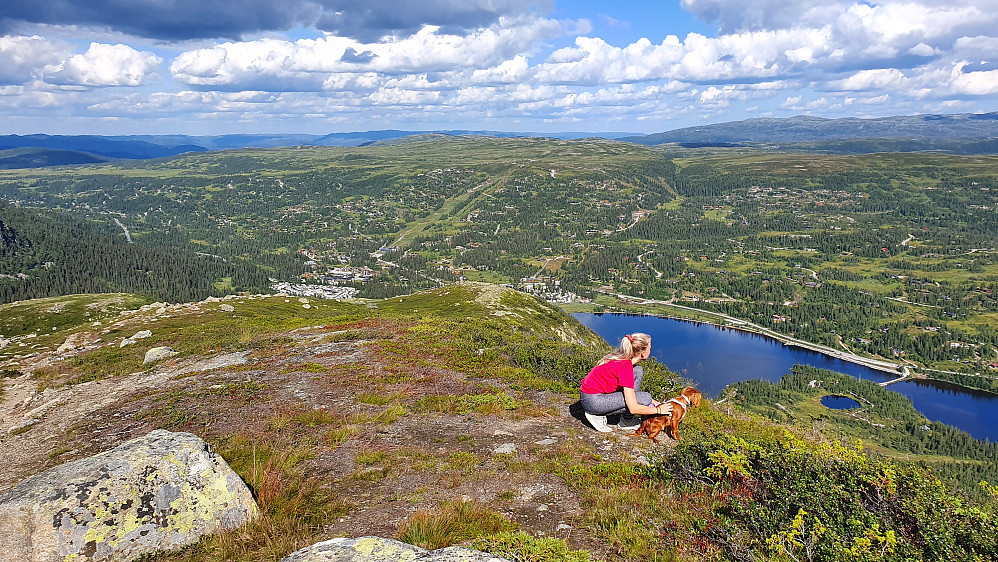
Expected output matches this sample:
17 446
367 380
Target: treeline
49 254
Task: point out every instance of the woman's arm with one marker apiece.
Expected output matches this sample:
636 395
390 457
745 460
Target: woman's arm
631 400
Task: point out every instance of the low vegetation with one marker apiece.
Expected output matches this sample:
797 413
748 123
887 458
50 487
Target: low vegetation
747 482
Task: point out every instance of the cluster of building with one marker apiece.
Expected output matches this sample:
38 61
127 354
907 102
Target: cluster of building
314 291
548 289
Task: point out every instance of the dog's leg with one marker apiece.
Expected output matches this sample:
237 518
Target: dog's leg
653 435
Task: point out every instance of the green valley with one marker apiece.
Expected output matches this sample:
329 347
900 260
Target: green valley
882 255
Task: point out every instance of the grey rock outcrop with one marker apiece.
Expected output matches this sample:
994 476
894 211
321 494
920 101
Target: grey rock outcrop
138 336
377 549
158 354
157 492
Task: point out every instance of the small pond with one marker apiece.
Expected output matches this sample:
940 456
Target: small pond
837 402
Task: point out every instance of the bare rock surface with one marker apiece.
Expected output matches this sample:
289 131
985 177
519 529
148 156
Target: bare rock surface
377 549
158 492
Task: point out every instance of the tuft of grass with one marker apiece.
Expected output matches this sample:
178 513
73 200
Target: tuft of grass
391 415
372 474
59 452
313 418
10 373
444 404
309 367
486 404
341 434
525 548
373 399
371 458
452 523
463 460
293 509
279 421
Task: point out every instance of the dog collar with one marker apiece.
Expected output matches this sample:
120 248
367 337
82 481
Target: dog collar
684 398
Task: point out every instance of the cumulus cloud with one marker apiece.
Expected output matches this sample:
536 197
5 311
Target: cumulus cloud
865 33
875 79
104 65
23 58
507 72
744 56
979 83
331 61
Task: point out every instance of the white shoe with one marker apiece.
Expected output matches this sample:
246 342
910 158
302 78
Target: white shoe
598 423
629 421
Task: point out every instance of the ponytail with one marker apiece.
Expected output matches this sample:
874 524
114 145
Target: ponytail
630 346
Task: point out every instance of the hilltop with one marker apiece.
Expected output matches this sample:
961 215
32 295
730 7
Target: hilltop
410 416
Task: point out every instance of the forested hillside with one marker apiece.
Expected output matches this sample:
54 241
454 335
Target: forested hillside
886 255
50 254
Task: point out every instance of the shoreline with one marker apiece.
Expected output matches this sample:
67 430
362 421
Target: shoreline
900 370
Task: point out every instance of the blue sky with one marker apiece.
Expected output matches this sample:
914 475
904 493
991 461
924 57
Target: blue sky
643 66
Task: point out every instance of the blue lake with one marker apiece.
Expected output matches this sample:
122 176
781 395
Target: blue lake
839 402
715 357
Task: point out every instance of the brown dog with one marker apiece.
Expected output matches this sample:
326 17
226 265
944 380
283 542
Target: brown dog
654 424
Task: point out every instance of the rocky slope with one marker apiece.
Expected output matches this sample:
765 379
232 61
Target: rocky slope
378 410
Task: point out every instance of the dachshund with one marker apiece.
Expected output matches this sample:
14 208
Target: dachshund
654 424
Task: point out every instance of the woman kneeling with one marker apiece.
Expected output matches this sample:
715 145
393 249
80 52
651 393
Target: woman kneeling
614 385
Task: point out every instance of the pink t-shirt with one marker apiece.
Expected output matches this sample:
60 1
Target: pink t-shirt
609 377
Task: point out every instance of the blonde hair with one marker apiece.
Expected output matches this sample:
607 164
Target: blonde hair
630 346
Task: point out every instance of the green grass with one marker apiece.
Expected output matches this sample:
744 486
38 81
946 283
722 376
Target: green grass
452 523
526 548
41 315
293 507
374 399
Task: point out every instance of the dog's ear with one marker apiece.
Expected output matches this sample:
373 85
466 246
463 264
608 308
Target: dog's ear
694 395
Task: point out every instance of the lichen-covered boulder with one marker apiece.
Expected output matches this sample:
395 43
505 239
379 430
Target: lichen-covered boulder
377 549
157 492
158 354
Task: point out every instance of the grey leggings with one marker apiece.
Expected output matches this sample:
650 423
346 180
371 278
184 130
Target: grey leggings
613 402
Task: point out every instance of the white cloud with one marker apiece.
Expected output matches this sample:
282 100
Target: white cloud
309 64
792 103
875 100
22 58
980 83
923 50
104 65
875 79
742 56
507 72
719 96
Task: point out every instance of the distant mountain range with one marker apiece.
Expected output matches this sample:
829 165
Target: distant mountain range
966 133
964 126
41 157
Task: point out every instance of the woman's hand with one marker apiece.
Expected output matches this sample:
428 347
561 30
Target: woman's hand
631 400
